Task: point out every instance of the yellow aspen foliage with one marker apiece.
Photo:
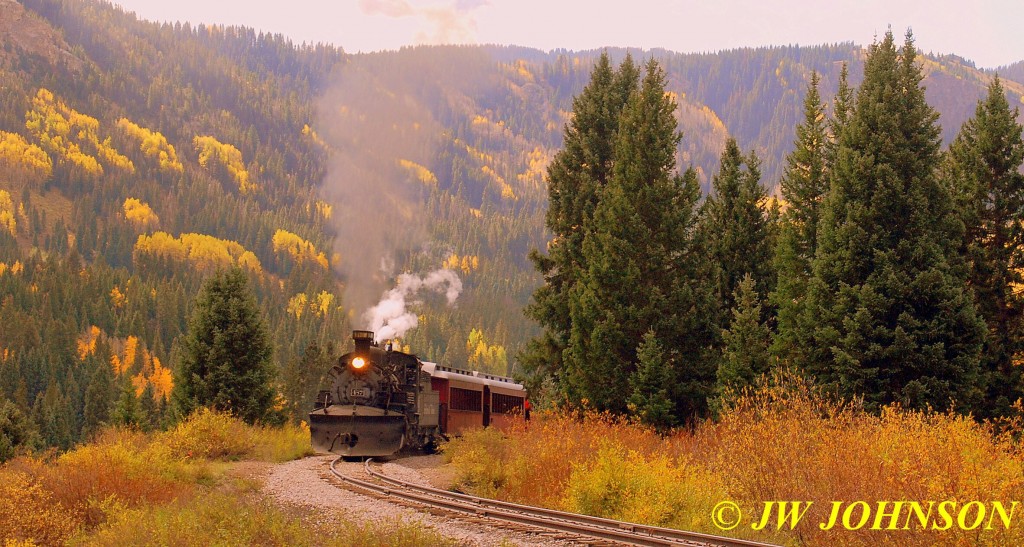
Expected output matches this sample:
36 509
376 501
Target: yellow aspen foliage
117 298
204 251
322 304
466 263
421 173
3 268
63 131
153 145
162 381
324 209
308 131
86 343
476 212
131 347
112 157
485 357
140 213
298 248
536 165
8 218
297 305
213 152
18 154
6 355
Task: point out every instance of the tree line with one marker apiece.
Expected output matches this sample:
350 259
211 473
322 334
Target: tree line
887 268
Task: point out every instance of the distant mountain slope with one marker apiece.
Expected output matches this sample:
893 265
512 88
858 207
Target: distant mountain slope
138 156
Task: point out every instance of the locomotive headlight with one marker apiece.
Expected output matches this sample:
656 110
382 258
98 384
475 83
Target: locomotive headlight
358 363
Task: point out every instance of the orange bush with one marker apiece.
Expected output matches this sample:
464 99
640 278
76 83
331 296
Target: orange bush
29 512
783 442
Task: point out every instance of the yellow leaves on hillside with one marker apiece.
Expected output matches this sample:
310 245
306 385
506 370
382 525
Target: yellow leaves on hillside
117 298
123 359
466 263
6 354
298 248
308 131
506 189
205 252
8 214
139 213
213 152
129 351
320 305
72 136
18 154
154 374
323 209
421 173
153 145
536 164
14 269
85 345
485 124
485 357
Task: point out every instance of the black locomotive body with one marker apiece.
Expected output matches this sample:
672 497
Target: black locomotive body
382 401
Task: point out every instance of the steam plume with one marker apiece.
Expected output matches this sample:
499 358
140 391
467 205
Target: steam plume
391 319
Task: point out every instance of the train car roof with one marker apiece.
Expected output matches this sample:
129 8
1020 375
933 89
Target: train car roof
471 376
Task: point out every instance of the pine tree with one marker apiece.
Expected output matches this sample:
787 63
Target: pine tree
127 410
17 432
890 316
745 343
224 361
643 271
649 387
983 170
98 396
803 187
575 177
737 228
301 378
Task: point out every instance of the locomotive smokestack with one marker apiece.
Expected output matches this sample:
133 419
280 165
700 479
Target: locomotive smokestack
363 339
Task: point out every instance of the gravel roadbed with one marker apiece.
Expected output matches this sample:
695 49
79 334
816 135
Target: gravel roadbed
299 483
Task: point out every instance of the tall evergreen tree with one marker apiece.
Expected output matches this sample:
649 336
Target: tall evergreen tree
650 397
737 228
891 317
803 187
745 343
98 397
643 269
17 431
225 361
983 169
575 177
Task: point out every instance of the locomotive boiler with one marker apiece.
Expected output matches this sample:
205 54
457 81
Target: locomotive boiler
382 401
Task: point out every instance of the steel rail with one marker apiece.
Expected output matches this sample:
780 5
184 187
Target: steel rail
538 517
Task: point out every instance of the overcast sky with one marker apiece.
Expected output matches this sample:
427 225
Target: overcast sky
989 32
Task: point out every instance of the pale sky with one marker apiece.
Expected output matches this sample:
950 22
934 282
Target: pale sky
989 32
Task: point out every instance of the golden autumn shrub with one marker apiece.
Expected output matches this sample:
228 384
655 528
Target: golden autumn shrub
211 435
783 442
29 513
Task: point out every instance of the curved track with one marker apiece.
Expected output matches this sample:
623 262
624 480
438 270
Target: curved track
582 526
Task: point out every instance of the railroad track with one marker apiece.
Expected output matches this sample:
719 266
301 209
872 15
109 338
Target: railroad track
580 528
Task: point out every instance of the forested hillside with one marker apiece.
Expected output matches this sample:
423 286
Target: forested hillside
137 158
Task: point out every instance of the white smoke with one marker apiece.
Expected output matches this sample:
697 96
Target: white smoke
391 319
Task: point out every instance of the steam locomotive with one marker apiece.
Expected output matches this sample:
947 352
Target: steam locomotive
382 401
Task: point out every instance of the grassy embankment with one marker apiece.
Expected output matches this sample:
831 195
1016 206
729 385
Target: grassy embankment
786 442
173 488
